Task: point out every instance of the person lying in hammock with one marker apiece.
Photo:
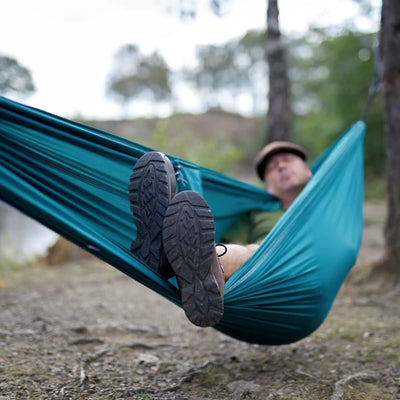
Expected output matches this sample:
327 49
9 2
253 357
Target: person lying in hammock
175 232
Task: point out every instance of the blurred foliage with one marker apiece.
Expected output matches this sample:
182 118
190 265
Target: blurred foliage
135 75
216 152
375 188
8 266
187 10
230 70
331 76
330 72
216 139
14 78
215 73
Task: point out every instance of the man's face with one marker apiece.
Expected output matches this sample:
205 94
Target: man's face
286 173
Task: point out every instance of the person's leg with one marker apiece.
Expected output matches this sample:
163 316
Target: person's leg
180 227
235 256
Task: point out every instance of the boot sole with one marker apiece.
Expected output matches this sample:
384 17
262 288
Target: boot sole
188 237
151 188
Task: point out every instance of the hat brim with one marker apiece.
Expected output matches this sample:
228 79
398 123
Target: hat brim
263 161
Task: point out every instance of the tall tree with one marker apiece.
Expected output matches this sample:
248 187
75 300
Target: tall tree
390 52
14 78
279 116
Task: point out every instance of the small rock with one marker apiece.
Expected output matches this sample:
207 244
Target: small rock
239 388
147 359
81 329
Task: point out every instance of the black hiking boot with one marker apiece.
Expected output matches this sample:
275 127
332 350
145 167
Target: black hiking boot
188 239
152 186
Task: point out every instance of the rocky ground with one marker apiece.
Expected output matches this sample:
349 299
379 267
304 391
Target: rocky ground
85 331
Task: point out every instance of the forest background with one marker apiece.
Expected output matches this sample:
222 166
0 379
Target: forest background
330 71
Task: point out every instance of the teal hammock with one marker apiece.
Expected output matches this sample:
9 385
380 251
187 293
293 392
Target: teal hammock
74 179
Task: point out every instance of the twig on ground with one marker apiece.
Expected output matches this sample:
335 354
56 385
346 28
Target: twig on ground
85 360
86 340
299 373
61 393
338 393
82 373
303 374
279 393
187 377
138 345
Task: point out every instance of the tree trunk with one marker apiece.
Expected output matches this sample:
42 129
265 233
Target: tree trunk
279 116
390 52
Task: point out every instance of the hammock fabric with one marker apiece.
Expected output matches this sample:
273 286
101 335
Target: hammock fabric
74 179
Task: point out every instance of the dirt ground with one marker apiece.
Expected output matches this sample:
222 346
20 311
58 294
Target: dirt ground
86 331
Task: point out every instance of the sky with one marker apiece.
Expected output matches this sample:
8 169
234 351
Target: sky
68 45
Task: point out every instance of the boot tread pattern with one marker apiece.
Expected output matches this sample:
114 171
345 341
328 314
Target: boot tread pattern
149 195
188 237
